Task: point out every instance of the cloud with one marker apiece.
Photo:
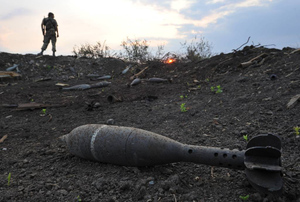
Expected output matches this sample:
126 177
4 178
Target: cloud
181 4
15 13
215 1
202 15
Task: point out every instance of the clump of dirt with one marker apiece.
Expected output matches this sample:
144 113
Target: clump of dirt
256 84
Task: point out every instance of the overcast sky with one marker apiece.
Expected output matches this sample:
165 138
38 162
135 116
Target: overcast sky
226 24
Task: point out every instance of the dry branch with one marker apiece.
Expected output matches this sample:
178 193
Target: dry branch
242 44
138 74
295 51
32 105
3 138
256 59
293 101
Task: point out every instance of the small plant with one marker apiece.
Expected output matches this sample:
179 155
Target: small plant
219 89
197 49
245 197
78 198
183 96
183 107
92 51
297 132
199 86
43 111
135 50
8 179
207 80
245 137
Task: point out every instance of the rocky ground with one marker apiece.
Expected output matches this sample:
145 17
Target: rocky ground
35 111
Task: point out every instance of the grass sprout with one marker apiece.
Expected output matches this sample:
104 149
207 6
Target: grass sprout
8 179
183 108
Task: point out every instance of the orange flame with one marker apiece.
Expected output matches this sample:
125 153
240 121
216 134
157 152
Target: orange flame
169 61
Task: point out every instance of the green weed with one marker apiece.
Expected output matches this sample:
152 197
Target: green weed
8 179
183 108
183 96
296 129
219 89
245 137
245 197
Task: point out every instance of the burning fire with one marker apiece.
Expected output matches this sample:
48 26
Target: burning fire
170 61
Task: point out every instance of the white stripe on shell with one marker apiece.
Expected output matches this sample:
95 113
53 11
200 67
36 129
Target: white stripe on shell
93 142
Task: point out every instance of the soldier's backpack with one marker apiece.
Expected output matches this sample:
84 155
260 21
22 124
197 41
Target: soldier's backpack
48 22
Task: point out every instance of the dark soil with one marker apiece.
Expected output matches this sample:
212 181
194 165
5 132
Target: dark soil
253 102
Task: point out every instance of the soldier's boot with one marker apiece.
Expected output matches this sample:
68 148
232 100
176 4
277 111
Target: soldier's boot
40 53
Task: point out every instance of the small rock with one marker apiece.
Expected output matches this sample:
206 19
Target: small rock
20 188
174 179
173 190
25 161
269 113
63 192
220 127
97 105
110 122
256 197
242 79
243 132
124 185
100 184
236 132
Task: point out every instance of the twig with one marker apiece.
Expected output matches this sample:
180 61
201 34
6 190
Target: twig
212 172
295 51
250 62
242 44
138 74
293 101
175 199
50 118
3 138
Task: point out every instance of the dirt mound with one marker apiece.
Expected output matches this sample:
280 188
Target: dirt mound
213 102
